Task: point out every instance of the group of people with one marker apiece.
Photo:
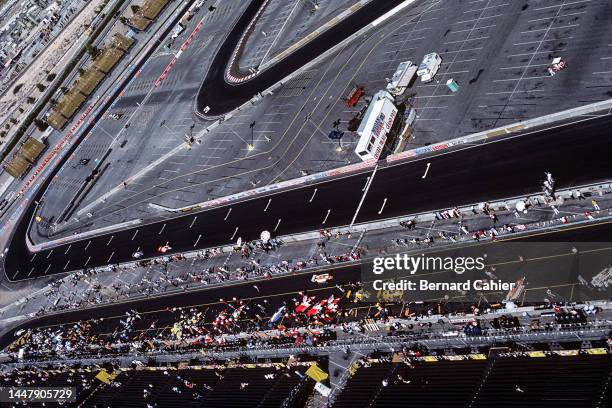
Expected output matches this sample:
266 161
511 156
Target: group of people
494 229
249 322
161 274
254 322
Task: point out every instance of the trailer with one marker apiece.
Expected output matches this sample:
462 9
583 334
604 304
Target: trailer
377 122
402 78
429 67
354 96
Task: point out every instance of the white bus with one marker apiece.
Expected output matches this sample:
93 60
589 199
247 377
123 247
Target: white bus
429 67
402 78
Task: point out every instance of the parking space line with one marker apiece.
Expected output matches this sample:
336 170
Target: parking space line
561 5
433 96
469 39
407 39
469 49
533 53
398 51
420 29
537 41
521 78
563 15
509 92
469 29
549 28
432 10
454 72
602 72
525 66
106 132
458 61
404 41
484 8
524 71
416 22
276 113
461 49
476 19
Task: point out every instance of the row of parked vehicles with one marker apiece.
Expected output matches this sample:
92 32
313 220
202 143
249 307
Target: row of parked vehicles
406 72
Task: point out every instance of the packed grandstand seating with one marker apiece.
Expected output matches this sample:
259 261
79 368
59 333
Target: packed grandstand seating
256 352
245 385
504 381
509 379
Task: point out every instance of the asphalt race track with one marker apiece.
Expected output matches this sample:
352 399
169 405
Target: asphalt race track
282 288
223 97
576 154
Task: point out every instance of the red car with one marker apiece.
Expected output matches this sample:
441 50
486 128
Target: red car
164 248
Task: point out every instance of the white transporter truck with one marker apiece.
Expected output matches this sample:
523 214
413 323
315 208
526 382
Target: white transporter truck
376 124
429 67
402 78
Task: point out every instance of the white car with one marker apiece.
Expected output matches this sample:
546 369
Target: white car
321 278
137 254
206 109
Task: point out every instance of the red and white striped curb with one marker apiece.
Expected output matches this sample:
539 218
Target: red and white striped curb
178 54
234 79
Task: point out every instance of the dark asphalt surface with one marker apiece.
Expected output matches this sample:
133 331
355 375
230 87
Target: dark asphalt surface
223 97
575 154
283 288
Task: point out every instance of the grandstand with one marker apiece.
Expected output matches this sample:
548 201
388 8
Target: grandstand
91 77
148 12
266 385
217 356
27 155
515 379
511 380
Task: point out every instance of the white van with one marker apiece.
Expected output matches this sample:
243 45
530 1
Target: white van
429 67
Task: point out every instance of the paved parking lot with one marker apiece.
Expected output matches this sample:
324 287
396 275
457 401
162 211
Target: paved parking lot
283 23
498 52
